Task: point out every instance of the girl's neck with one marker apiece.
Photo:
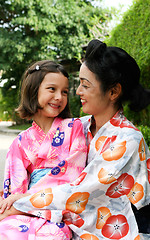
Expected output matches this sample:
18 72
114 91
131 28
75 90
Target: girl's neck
44 123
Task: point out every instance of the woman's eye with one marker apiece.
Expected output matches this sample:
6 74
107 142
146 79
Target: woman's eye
84 86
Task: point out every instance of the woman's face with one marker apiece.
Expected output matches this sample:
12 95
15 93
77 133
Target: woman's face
94 100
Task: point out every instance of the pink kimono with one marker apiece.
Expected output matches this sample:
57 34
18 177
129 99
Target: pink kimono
36 161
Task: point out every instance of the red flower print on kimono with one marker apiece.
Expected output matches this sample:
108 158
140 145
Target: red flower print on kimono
105 177
122 187
116 227
136 193
148 169
42 198
87 236
72 218
142 150
119 120
79 179
103 213
113 151
77 202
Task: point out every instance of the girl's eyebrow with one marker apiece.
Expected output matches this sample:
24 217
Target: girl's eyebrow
53 84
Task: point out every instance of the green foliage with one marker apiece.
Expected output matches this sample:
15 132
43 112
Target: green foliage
139 118
133 35
42 29
146 133
75 106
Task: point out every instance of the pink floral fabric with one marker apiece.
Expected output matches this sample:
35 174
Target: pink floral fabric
63 151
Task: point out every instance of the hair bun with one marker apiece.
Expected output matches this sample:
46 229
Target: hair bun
95 49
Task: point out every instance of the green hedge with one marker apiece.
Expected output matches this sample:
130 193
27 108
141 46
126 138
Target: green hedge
146 133
133 35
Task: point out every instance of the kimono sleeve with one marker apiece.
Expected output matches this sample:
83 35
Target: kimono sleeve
78 151
15 174
121 164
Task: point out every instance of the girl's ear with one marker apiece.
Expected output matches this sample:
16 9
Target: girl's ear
115 92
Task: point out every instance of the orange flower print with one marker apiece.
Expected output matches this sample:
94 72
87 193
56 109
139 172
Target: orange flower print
99 142
148 169
42 198
116 227
87 236
103 214
105 177
142 150
113 151
77 202
137 238
136 193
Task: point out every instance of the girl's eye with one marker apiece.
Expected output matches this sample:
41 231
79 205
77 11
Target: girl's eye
65 92
51 88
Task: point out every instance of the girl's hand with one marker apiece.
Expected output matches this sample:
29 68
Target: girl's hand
10 212
1 196
8 202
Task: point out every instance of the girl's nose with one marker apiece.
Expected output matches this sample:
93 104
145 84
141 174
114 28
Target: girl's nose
58 95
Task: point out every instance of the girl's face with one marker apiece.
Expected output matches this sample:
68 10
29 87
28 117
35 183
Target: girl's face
52 94
94 100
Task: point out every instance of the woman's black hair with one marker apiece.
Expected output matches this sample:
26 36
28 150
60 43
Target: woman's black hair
32 78
113 65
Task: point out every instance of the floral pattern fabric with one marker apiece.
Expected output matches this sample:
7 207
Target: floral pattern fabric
62 150
97 205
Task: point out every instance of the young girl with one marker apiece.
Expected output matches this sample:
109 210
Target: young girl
49 153
97 205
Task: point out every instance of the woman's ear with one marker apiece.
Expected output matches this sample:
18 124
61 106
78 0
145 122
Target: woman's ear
115 92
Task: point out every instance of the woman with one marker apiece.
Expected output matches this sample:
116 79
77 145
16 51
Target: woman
97 205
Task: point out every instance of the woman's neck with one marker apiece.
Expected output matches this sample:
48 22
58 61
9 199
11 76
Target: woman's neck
101 119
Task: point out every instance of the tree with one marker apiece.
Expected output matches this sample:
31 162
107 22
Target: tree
133 35
32 30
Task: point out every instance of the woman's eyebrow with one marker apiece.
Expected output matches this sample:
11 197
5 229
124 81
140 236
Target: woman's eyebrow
85 79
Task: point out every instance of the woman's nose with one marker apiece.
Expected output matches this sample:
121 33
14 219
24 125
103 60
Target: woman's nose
78 91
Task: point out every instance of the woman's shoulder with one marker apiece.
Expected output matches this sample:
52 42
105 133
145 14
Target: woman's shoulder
86 120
